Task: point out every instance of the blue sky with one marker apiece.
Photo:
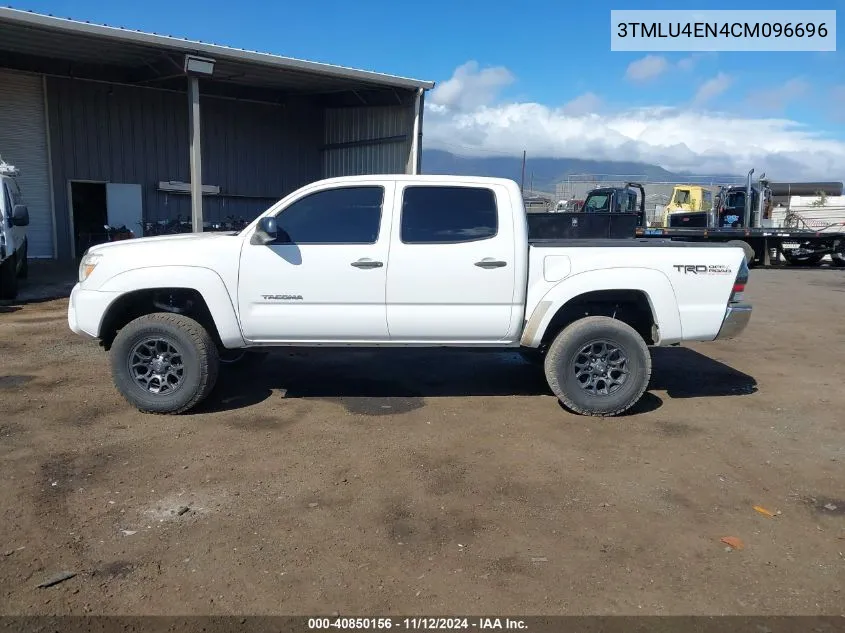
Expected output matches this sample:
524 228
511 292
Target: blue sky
537 53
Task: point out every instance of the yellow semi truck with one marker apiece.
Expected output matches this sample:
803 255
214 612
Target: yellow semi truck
688 198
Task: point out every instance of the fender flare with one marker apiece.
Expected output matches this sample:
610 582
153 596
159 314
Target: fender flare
654 284
204 280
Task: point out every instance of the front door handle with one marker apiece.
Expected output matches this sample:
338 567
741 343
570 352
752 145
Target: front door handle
367 263
489 262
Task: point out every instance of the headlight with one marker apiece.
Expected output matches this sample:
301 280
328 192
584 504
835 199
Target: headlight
87 265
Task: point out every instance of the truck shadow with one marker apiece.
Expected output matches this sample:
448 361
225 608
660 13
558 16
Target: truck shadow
390 381
684 373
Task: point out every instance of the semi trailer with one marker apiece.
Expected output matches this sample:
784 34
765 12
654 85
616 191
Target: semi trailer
743 216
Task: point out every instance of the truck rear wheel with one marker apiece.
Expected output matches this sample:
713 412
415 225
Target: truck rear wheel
164 363
598 366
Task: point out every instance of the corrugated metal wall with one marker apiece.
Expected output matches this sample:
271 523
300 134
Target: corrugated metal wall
349 125
257 152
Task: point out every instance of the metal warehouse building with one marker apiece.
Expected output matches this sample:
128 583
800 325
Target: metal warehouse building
108 126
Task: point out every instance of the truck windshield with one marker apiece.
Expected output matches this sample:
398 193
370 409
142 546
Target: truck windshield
735 200
597 202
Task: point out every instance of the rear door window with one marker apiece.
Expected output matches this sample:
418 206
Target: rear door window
448 215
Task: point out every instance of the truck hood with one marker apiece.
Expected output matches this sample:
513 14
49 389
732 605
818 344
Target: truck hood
184 238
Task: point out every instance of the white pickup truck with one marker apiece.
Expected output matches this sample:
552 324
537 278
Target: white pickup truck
402 260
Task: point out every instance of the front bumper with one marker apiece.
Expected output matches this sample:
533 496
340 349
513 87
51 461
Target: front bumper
736 319
85 310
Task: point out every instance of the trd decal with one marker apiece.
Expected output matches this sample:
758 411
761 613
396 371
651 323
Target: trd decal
702 269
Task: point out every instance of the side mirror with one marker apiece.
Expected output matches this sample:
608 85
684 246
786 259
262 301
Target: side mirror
265 233
20 215
268 232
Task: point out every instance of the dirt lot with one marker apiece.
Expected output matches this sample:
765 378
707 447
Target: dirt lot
425 482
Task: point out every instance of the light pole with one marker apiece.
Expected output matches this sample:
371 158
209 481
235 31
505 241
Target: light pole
196 67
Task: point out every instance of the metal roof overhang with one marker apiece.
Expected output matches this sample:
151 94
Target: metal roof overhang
41 43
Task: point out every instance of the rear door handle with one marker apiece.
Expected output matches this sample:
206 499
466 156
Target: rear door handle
489 262
367 263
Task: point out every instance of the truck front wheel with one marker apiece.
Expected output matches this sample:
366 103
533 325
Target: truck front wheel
8 279
598 366
164 363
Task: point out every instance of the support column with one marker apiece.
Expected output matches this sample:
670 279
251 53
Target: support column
413 166
196 153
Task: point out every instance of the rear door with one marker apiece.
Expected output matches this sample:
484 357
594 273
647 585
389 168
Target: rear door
328 282
451 275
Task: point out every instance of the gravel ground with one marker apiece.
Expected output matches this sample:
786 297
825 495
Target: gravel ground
432 482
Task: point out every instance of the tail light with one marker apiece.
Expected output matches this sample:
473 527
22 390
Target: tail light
740 283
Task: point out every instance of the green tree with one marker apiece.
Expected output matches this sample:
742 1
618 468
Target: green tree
822 200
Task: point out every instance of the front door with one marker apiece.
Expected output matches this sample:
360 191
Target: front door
324 278
18 233
453 267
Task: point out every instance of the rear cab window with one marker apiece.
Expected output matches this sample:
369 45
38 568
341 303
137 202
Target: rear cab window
448 214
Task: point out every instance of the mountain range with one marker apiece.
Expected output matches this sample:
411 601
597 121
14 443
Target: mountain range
542 174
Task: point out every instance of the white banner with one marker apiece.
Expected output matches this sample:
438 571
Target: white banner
692 31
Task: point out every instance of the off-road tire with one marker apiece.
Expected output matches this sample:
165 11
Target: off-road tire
8 279
199 358
561 374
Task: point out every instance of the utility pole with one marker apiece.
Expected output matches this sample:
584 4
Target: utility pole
522 182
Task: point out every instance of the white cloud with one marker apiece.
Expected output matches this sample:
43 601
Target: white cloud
586 103
688 63
470 87
652 66
836 103
647 68
679 140
676 138
775 99
712 88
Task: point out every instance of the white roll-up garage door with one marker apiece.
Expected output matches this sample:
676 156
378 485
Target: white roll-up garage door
23 143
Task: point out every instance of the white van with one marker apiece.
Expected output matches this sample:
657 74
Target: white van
14 217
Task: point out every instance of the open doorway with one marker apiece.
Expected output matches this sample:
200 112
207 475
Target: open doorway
90 214
96 205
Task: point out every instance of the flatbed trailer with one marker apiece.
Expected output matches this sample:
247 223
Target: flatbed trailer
762 245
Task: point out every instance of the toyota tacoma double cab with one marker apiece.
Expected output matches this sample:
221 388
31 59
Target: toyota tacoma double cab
402 260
